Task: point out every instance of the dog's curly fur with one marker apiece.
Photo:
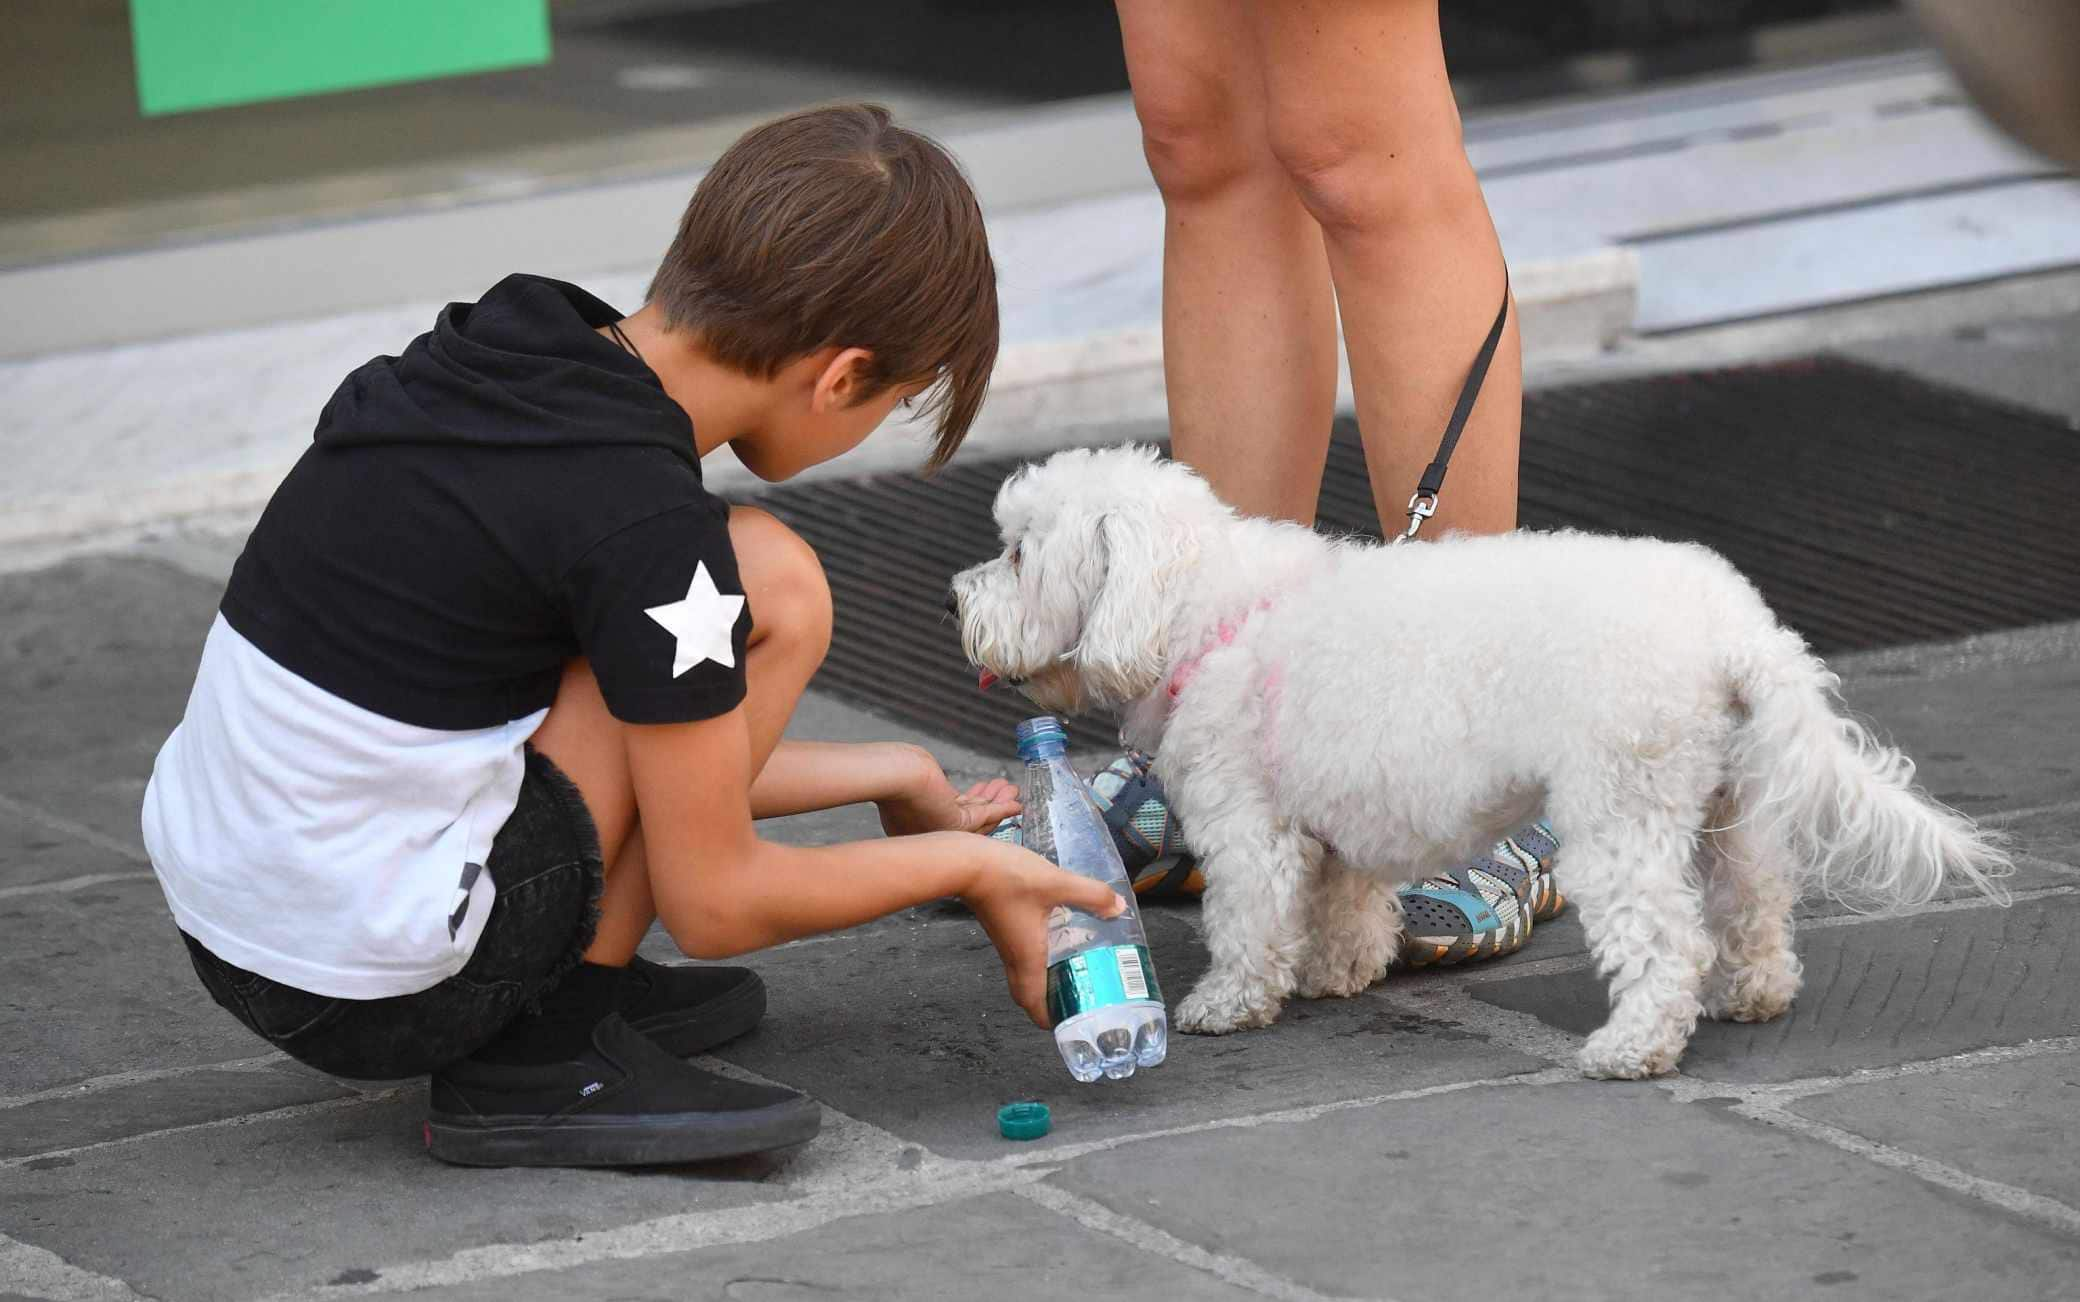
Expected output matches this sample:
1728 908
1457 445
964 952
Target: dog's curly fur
1333 719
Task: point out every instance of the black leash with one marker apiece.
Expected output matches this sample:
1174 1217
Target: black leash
1424 504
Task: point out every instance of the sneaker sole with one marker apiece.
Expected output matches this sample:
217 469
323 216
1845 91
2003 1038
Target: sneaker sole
668 1139
716 1022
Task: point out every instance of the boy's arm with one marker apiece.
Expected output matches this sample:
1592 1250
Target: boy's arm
720 890
904 780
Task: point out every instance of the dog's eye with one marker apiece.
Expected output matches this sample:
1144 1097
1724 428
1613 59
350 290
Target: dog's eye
1016 549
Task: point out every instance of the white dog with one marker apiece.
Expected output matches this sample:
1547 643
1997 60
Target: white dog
1333 719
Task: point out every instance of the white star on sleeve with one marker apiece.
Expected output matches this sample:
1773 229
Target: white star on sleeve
703 623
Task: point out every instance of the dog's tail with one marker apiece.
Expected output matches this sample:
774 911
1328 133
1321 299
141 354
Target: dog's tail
1841 801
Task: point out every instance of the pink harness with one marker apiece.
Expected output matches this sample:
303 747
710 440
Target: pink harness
1188 668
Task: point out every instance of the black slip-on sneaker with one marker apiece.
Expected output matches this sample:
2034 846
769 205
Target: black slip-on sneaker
624 1102
690 1010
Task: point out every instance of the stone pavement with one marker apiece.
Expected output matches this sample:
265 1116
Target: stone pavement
1904 1133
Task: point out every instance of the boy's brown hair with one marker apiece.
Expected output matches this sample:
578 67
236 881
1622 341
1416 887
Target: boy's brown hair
836 226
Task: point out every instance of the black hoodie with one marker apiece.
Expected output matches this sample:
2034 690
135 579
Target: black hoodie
512 491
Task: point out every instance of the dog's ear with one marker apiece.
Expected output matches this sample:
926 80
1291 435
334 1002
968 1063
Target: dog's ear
1123 648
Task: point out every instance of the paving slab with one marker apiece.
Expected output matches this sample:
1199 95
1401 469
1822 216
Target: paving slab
1876 994
96 981
999 1246
297 1202
1998 737
1602 1191
2026 361
96 660
908 1026
2053 837
66 1120
2009 1121
34 852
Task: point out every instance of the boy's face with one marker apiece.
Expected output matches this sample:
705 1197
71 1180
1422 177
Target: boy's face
833 416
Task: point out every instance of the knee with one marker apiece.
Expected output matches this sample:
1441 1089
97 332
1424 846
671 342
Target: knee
784 583
1354 177
1198 137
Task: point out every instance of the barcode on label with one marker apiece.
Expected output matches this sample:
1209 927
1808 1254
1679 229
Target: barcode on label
1131 978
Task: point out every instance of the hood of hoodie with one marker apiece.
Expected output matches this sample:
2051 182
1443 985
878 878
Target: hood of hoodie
521 367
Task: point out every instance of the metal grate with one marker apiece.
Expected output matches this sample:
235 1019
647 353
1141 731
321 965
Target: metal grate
1871 508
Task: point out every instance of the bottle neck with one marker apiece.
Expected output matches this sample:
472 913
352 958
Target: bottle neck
1041 739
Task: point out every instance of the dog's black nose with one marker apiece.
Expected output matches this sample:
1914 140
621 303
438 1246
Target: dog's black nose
953 602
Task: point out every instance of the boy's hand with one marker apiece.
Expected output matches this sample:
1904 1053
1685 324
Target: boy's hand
1013 893
926 802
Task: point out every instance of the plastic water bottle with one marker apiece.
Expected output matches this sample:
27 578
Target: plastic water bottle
1101 986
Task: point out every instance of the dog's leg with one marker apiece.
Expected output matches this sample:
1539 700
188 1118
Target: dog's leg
1353 932
1258 873
1748 895
1629 874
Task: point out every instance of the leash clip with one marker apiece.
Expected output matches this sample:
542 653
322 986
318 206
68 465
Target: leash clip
1424 504
1420 508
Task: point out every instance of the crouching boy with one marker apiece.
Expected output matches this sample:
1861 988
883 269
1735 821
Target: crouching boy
496 683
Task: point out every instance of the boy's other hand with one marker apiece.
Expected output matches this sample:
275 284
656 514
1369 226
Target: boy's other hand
1012 895
926 802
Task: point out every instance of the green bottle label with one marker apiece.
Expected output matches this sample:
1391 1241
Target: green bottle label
1100 978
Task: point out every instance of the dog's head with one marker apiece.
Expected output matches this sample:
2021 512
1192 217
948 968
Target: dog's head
1074 613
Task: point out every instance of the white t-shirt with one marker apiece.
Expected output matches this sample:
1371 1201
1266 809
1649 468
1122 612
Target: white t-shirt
321 845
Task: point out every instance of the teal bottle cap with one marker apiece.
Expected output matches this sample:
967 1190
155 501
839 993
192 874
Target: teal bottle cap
1023 1120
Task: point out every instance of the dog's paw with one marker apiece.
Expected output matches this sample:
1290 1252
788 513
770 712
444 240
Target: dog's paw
1623 1056
1756 994
1338 980
1752 1006
1210 1013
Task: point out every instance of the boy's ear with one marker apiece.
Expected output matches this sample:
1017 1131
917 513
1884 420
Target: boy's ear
843 381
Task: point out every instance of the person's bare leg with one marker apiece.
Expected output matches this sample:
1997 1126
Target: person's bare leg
1362 118
791 630
1249 325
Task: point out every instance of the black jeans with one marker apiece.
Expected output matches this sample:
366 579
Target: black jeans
545 865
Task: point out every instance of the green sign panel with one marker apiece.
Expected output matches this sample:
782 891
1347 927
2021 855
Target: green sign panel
197 54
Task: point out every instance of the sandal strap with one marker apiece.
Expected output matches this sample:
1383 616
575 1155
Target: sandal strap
1133 793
